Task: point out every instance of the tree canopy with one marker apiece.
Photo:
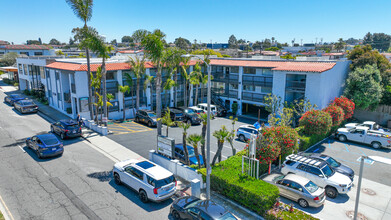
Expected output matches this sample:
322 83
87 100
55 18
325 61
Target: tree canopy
54 41
182 43
8 59
126 39
379 41
232 42
139 35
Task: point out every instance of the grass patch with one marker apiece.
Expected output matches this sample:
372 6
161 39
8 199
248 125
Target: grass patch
1 216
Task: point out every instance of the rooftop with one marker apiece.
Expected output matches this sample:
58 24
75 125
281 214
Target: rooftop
24 47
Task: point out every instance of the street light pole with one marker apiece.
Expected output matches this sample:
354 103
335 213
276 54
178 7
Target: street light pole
359 187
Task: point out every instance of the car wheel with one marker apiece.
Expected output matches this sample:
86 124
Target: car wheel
303 203
143 196
342 138
39 156
117 179
176 215
376 145
27 144
331 192
62 136
137 120
149 124
242 138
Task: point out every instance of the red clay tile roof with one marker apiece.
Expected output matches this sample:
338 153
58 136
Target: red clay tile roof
333 54
309 53
3 42
275 65
25 47
278 65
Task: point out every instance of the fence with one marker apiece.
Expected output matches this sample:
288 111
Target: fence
175 167
381 115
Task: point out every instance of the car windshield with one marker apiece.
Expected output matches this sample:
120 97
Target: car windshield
49 140
192 204
16 96
311 187
327 171
190 111
27 103
227 216
163 182
191 152
73 126
275 179
151 115
332 162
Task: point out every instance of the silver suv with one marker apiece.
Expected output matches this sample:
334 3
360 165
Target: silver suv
318 172
244 132
151 181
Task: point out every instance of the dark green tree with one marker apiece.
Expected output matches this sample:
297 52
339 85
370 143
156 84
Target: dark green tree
126 39
54 41
182 43
232 42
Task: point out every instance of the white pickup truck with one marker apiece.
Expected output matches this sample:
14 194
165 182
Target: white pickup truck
362 134
371 125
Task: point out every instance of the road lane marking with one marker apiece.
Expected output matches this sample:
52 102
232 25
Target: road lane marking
21 148
362 152
6 208
346 148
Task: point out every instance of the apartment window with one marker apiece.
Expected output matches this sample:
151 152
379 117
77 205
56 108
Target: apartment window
42 71
249 70
59 96
25 53
267 72
25 68
47 74
233 86
57 75
38 53
248 88
20 67
152 71
110 76
266 90
234 69
30 70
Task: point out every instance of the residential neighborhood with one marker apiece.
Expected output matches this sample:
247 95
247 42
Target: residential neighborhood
137 117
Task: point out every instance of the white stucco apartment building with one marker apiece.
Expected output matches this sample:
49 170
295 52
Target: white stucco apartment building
241 81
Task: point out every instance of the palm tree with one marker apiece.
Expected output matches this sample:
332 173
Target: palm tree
186 77
204 76
230 138
221 135
138 67
195 77
109 97
148 80
100 103
185 126
167 86
123 90
83 10
166 119
204 119
194 139
129 80
154 49
96 82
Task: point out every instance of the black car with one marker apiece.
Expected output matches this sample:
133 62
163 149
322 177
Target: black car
45 145
337 166
190 116
221 112
67 128
11 99
190 207
26 106
146 117
175 114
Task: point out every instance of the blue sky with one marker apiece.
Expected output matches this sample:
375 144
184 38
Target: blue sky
204 20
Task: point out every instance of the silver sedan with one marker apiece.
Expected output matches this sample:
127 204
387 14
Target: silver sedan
298 189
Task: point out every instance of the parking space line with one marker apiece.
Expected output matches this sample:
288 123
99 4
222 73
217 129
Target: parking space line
124 127
346 148
329 144
362 152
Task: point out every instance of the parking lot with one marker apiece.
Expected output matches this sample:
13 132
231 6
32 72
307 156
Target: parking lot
143 140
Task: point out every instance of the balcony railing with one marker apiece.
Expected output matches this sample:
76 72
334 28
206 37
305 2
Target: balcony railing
266 81
255 97
295 86
112 87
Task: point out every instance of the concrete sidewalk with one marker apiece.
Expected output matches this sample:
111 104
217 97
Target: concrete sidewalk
117 152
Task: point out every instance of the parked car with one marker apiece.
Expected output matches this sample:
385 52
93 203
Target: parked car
190 116
151 181
191 207
45 145
204 106
26 106
175 114
318 172
196 109
371 125
363 135
67 128
337 166
11 99
298 189
180 154
146 117
221 112
244 132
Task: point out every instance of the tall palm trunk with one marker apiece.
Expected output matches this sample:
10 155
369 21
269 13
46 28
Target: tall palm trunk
185 93
159 98
138 94
197 155
175 89
104 91
90 108
202 92
218 153
185 148
123 102
203 134
196 96
132 93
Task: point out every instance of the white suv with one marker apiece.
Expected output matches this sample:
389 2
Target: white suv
318 172
151 181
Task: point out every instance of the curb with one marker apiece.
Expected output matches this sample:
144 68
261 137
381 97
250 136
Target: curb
5 211
317 143
237 205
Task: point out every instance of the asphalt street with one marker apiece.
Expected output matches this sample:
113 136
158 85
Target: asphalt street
142 142
349 153
77 185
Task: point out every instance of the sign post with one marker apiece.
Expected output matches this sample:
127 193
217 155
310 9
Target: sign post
166 146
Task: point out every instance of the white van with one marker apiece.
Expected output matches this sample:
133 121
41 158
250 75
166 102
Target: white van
204 107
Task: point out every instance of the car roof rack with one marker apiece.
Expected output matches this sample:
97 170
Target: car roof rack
305 160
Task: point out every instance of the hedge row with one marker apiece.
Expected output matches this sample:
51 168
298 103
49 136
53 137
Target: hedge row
227 179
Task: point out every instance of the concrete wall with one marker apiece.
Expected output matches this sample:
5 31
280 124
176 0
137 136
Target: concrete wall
279 81
381 115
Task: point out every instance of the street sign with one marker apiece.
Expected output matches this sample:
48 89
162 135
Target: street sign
165 146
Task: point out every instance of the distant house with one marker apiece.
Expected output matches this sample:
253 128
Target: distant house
29 50
334 56
11 71
3 42
217 46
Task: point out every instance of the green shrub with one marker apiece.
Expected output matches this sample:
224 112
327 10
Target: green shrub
26 92
275 213
228 180
69 110
315 122
307 141
16 84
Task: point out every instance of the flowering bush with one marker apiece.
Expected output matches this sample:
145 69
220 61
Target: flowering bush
267 150
315 122
285 138
346 104
336 113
